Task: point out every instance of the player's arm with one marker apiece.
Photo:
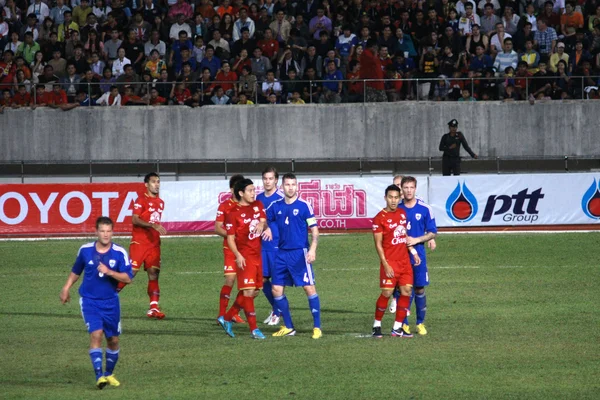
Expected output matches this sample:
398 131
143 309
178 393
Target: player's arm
378 238
239 258
311 256
410 241
119 276
219 229
138 221
65 296
416 258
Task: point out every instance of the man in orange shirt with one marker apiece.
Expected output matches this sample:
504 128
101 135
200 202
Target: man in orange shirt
145 240
225 8
570 21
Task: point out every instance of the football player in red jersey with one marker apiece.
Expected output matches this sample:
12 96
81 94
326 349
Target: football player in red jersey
244 227
389 233
145 241
230 268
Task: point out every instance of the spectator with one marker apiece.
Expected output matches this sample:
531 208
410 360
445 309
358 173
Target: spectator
101 10
543 82
247 83
37 66
6 100
42 97
180 94
224 8
480 62
594 19
90 84
405 44
508 58
449 61
156 99
226 27
510 20
272 99
270 86
31 27
220 98
522 84
181 8
164 85
81 12
393 84
22 98
134 50
292 83
452 19
355 86
286 63
530 57
110 98
210 61
91 25
476 39
220 45
155 65
578 57
522 36
156 44
571 20
466 22
544 39
296 99
387 40
242 61
70 83
72 43
332 90
48 78
20 79
182 42
199 48
128 79
244 43
557 57
130 98
428 65
260 64
298 44
112 46
312 91
107 80
511 93
269 46
243 22
178 27
28 48
452 40
12 15
97 65
225 75
67 27
370 68
281 27
406 68
39 9
14 43
141 28
199 28
244 100
93 45
58 97
441 88
44 31
312 59
497 41
58 11
529 17
319 23
119 64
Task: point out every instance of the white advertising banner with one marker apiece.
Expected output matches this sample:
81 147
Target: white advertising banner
339 202
528 199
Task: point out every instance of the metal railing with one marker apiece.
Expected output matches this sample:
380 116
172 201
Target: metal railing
362 166
313 91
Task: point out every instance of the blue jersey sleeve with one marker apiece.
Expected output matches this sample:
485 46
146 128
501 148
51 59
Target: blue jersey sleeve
79 264
430 226
123 265
270 212
309 216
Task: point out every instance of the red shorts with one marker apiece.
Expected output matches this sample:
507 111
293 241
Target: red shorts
144 254
251 277
403 275
230 264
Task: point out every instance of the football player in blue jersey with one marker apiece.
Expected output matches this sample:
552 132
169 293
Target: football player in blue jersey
421 229
293 265
104 265
270 178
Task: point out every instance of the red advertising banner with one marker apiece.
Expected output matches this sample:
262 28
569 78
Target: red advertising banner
65 208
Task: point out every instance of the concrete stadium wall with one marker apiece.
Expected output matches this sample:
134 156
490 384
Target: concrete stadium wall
312 131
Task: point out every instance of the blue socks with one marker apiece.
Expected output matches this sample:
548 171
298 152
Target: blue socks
268 291
96 358
315 308
284 307
421 305
412 296
112 356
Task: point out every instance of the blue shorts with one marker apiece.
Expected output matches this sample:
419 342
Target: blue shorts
268 263
291 269
420 274
102 314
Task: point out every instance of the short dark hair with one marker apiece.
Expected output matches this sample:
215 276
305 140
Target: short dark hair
289 175
103 221
150 175
408 179
235 179
272 169
241 186
392 188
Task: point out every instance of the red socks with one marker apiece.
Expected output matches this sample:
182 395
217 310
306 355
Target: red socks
120 286
235 308
382 303
402 308
250 314
153 292
224 299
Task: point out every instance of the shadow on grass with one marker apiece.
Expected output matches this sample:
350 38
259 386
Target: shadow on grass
78 316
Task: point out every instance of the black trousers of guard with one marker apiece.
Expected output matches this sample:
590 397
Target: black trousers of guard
450 166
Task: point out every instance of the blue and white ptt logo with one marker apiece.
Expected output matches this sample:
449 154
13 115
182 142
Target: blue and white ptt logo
590 202
461 205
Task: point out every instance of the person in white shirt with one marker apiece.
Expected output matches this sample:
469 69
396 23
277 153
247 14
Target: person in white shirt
461 4
218 41
40 9
101 10
120 63
155 44
466 22
497 41
242 22
179 26
110 98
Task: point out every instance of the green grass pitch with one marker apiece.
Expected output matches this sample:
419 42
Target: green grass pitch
510 316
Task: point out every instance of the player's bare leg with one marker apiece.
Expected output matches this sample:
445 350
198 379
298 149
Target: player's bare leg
154 293
401 311
314 305
380 307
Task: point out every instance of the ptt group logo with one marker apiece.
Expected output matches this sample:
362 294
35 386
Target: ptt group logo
461 205
590 202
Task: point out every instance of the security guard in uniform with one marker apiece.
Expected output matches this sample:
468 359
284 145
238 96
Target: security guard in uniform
450 145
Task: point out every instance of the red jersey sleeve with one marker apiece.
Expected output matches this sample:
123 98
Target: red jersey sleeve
261 208
221 212
231 223
377 225
139 206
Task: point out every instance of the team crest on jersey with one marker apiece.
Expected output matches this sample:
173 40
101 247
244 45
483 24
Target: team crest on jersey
155 217
418 216
112 263
296 211
255 209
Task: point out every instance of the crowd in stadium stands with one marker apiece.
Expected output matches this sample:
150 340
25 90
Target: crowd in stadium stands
67 53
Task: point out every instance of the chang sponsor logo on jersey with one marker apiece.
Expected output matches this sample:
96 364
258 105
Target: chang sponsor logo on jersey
399 235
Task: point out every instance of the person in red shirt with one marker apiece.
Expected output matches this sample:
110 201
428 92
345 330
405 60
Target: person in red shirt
8 69
58 97
244 227
41 98
130 99
384 57
21 98
155 99
230 269
5 100
225 74
269 46
389 232
180 93
370 68
145 241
